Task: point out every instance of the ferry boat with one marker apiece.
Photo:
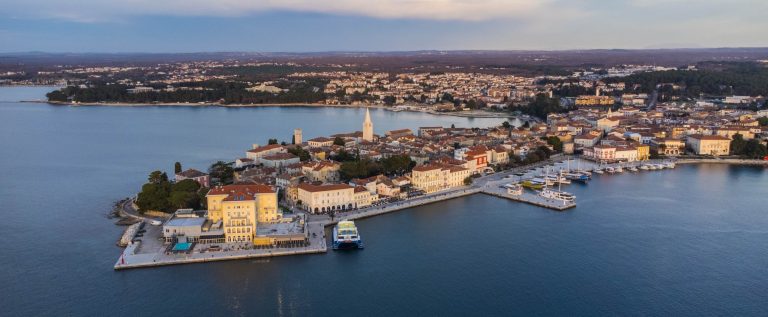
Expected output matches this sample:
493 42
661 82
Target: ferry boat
514 189
549 193
345 236
532 184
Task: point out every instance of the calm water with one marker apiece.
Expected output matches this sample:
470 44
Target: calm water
690 242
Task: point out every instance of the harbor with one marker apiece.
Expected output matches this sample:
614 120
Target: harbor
506 185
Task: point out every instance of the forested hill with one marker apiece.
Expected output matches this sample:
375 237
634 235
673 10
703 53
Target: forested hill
711 78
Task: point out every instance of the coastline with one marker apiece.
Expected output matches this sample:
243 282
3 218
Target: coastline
465 114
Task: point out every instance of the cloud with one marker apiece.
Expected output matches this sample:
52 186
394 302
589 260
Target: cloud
460 10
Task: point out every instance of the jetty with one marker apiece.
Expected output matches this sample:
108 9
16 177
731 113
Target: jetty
530 198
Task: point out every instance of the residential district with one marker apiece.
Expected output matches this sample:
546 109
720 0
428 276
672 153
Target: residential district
282 195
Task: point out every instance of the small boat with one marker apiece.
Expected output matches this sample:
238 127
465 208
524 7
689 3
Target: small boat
345 236
532 184
598 171
632 169
670 164
577 177
644 167
549 193
514 189
544 181
610 169
619 169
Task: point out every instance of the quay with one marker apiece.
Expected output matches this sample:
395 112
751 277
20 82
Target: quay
153 252
530 198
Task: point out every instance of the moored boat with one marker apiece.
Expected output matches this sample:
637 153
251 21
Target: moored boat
345 236
549 193
532 184
514 189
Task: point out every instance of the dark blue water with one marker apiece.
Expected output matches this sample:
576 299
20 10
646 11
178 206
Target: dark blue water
683 242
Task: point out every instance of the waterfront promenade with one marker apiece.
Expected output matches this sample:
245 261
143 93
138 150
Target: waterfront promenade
152 252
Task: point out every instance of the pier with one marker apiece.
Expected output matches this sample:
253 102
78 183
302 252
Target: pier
530 198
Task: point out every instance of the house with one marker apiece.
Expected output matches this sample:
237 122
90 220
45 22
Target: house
201 178
257 152
279 160
321 171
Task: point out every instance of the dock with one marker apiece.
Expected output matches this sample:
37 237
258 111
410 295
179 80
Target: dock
530 198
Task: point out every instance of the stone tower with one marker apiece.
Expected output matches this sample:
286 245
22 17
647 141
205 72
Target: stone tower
297 136
367 127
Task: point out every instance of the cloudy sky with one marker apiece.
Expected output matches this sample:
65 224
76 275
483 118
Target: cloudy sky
376 25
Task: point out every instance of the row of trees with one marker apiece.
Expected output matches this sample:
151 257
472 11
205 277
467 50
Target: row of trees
160 194
362 168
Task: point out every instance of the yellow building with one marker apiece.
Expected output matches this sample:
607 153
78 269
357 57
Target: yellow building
435 177
240 208
363 197
643 152
325 198
709 144
589 100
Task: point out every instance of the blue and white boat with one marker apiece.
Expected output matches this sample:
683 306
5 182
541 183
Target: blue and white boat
345 236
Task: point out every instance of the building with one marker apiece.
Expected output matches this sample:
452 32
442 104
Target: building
367 127
321 171
326 198
201 178
279 160
241 207
297 136
257 152
187 225
669 147
714 145
320 142
435 177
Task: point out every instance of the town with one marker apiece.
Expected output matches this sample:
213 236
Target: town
277 198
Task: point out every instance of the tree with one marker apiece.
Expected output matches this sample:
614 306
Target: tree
272 141
359 169
738 144
397 164
447 97
755 149
338 141
763 121
301 153
453 126
223 172
468 181
506 124
157 177
177 168
555 143
389 100
153 196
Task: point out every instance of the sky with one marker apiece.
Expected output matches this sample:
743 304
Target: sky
376 25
